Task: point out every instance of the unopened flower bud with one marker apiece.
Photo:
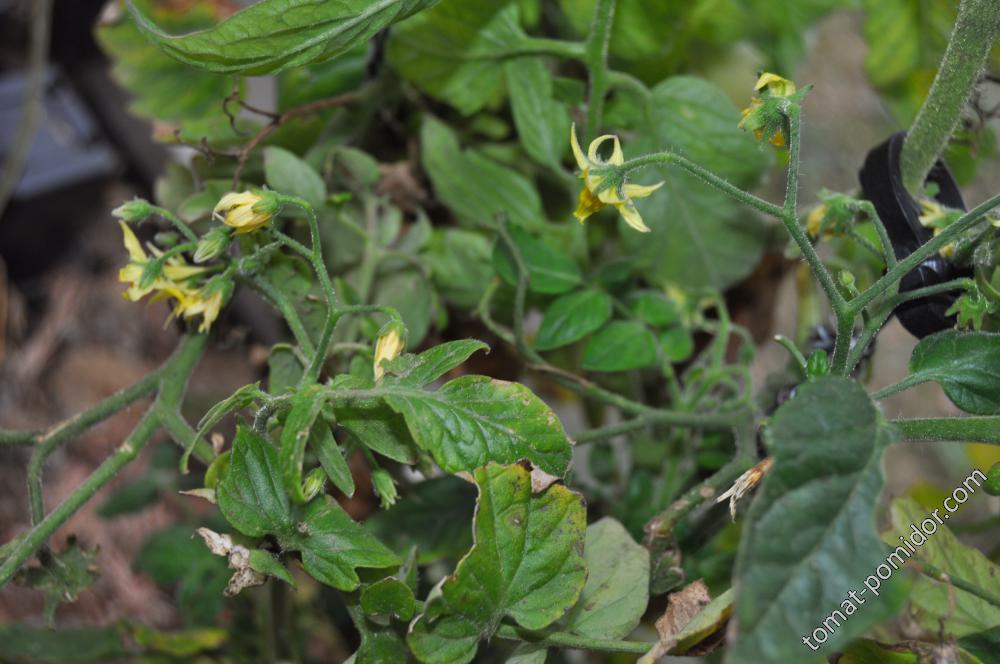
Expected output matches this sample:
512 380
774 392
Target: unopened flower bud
818 364
385 488
391 342
133 211
212 244
246 211
314 484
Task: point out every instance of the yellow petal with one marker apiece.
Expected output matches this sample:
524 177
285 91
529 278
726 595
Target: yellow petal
581 160
132 245
641 190
632 216
617 158
587 205
778 86
815 219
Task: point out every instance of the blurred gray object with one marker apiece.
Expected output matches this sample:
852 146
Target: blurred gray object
67 165
68 148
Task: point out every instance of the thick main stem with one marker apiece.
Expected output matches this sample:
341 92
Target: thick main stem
976 28
975 429
596 57
172 382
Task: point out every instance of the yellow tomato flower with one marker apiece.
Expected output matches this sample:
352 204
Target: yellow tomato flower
389 345
815 220
174 271
762 120
171 284
192 303
619 197
237 210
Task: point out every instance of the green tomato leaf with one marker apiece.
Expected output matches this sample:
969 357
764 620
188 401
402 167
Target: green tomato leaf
696 118
284 369
242 398
408 292
306 407
930 600
251 496
526 564
473 420
380 645
699 236
810 533
473 186
164 89
287 174
654 308
388 597
331 458
265 563
965 364
542 123
450 52
549 270
460 265
273 35
983 645
617 589
333 545
572 317
677 344
379 429
620 346
419 370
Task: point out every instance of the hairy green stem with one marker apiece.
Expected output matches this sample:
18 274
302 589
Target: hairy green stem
171 381
563 640
892 277
314 255
596 58
703 174
40 533
184 229
580 385
62 433
976 28
932 572
959 429
883 235
570 50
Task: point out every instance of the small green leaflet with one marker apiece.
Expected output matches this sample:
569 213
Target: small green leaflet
965 364
617 589
273 35
473 420
572 317
526 564
549 270
620 346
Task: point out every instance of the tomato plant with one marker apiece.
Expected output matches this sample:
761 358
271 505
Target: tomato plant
614 483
